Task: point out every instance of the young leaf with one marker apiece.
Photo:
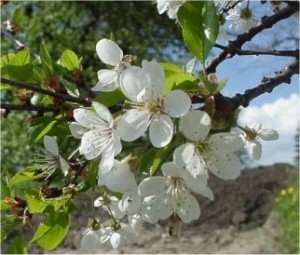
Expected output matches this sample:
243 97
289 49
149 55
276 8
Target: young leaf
40 131
46 60
35 205
20 66
27 174
49 235
18 15
70 60
176 78
200 27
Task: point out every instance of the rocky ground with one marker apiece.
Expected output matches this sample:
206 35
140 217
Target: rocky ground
240 220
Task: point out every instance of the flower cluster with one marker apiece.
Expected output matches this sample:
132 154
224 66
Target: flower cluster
167 120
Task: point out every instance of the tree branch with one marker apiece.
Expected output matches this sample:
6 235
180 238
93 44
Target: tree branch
11 107
266 22
277 53
266 86
32 87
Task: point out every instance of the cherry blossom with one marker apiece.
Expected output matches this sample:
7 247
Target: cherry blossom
111 54
98 136
50 159
90 239
144 88
169 6
214 152
168 195
252 136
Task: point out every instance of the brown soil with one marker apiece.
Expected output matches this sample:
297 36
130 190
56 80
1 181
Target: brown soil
239 220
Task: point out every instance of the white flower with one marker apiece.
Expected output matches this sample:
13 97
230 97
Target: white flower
144 88
111 54
166 196
110 204
215 152
98 136
252 136
242 18
169 6
90 239
50 159
135 222
117 235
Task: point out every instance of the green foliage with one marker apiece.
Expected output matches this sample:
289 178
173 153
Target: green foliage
46 60
210 88
200 27
287 209
17 246
18 15
110 98
50 234
176 78
70 60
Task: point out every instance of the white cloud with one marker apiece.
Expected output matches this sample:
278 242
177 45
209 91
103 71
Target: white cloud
281 115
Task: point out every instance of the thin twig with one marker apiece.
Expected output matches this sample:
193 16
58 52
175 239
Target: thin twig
266 22
35 88
266 86
37 108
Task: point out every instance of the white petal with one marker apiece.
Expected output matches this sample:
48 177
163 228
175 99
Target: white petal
183 154
225 142
91 145
108 81
87 118
189 209
64 165
51 145
226 166
196 125
177 103
171 169
133 81
151 185
104 113
155 73
77 130
135 222
255 149
162 6
131 202
114 208
268 134
127 232
107 159
90 240
109 52
119 178
117 142
133 124
207 193
161 131
117 241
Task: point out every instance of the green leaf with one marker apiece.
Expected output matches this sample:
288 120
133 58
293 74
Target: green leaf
147 160
58 202
49 235
18 15
35 205
27 174
176 78
71 87
5 191
20 66
110 98
200 27
161 156
17 246
70 60
8 225
4 62
4 206
40 131
46 60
